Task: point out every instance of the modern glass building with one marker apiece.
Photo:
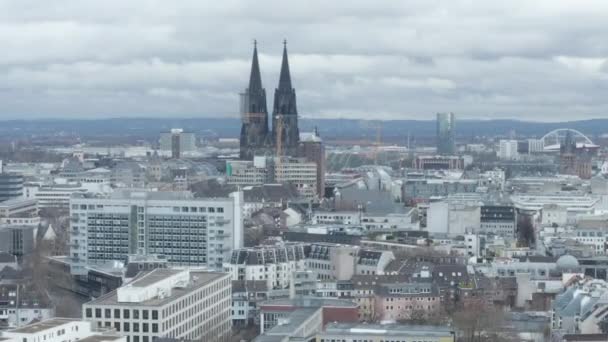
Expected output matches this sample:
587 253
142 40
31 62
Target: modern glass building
445 134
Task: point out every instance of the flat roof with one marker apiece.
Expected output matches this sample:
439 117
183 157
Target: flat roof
101 338
153 276
197 280
295 320
44 325
387 329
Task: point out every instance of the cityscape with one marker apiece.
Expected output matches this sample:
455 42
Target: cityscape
282 223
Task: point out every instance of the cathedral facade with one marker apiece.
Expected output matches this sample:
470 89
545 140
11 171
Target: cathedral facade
256 137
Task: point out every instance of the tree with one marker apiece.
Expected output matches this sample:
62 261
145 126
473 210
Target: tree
478 322
526 235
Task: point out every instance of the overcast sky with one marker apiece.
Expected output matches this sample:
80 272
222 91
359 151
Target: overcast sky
531 60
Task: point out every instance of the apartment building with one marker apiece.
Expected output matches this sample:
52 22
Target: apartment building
167 303
273 264
187 231
341 262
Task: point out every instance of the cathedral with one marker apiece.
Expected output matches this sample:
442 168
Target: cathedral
256 137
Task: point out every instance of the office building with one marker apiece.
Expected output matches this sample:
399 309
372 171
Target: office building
11 186
355 332
187 231
507 150
53 196
312 149
439 163
61 330
247 172
445 134
18 240
167 303
498 219
22 211
299 172
535 146
178 142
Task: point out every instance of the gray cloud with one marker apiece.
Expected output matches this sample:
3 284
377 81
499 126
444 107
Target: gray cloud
535 60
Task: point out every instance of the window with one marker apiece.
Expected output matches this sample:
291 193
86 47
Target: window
135 327
154 327
144 327
154 314
97 313
89 312
126 327
125 314
117 326
144 314
116 313
108 313
135 314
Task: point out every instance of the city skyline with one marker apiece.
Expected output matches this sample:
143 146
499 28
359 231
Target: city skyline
405 60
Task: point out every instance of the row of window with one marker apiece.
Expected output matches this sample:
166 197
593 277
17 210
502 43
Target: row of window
126 313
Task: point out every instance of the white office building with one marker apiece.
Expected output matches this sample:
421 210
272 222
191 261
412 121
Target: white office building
263 170
187 231
508 150
167 303
177 141
61 330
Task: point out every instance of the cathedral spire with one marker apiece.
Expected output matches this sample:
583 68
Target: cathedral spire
285 77
254 129
255 79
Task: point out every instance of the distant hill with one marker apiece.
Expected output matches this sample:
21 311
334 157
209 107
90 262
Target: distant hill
334 128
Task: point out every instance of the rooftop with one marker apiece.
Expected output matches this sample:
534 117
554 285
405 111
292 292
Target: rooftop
197 280
44 325
101 338
310 302
387 329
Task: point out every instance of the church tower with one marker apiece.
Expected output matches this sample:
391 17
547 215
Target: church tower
285 112
254 114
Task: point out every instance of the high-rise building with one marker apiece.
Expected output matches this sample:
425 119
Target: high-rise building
18 240
254 114
167 303
311 147
11 186
178 142
507 150
187 231
445 133
285 112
